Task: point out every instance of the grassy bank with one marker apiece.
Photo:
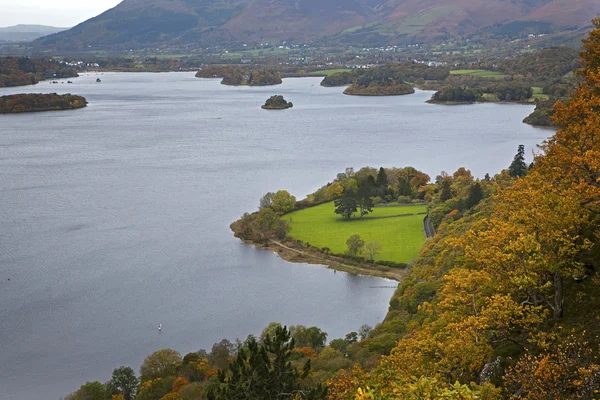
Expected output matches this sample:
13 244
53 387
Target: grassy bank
399 230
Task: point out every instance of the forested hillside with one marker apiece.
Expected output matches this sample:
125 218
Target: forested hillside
19 71
501 304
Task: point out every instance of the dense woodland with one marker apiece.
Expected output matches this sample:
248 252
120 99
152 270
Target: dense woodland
555 61
234 75
20 103
386 80
502 302
20 71
506 92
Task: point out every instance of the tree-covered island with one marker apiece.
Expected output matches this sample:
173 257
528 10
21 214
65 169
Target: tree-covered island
277 103
34 102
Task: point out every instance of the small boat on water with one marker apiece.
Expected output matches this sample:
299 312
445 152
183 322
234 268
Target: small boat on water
159 327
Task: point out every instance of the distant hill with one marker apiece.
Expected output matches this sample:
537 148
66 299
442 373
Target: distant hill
27 33
153 23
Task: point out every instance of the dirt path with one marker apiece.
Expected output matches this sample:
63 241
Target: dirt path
294 255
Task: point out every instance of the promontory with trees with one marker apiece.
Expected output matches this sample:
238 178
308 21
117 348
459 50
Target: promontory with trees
501 303
34 102
20 71
241 76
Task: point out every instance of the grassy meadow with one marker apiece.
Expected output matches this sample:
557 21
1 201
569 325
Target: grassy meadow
328 72
482 73
401 237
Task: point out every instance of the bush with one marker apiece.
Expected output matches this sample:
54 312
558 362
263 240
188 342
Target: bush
392 264
404 200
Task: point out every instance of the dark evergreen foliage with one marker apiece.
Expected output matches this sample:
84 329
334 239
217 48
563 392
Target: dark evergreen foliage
264 371
475 195
446 191
518 168
347 204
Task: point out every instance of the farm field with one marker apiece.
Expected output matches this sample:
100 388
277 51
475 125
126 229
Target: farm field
328 72
482 73
399 230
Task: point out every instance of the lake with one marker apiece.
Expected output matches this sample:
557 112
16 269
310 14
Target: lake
115 218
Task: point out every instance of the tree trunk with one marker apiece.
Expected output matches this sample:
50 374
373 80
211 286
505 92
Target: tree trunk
558 296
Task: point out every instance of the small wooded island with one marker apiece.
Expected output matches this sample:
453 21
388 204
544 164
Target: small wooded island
277 103
380 89
34 102
380 81
241 76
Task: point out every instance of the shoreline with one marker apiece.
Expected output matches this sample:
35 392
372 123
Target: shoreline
289 251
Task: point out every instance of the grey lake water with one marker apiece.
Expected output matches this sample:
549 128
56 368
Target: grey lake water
115 218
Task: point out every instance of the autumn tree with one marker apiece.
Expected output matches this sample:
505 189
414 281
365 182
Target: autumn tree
334 190
90 391
160 364
153 389
283 202
568 368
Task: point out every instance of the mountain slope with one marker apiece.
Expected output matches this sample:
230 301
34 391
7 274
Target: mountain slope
27 33
179 23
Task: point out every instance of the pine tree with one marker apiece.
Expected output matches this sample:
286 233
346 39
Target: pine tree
475 195
518 168
265 371
347 204
446 192
404 188
382 181
363 198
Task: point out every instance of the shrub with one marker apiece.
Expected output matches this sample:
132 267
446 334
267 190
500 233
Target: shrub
404 200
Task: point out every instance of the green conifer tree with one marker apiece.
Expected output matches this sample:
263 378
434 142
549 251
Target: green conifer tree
347 204
518 168
265 371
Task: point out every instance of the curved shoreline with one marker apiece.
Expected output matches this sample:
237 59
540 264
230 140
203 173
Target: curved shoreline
309 255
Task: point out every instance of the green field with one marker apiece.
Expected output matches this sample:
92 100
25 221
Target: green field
538 94
401 237
328 72
482 73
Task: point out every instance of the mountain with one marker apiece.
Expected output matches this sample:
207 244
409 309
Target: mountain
139 24
27 33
